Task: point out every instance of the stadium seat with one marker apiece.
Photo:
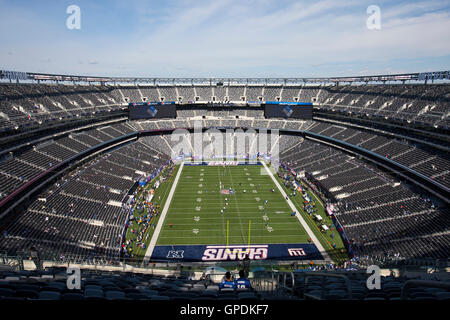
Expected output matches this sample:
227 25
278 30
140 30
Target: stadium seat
159 298
171 293
181 297
73 296
8 285
213 287
106 283
93 287
247 296
425 298
432 290
376 294
183 288
6 292
374 299
149 292
137 296
93 293
313 287
422 294
29 294
209 293
14 299
29 287
49 295
340 294
227 295
111 288
358 296
115 295
315 293
442 295
58 285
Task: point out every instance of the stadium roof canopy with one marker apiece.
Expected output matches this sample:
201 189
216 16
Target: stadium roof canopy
31 76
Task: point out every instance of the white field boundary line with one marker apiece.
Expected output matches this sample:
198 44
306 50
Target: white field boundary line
299 217
155 236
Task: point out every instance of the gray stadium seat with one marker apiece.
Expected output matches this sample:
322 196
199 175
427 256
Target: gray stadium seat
442 295
72 296
93 287
49 295
57 284
6 292
247 295
159 298
137 296
209 293
115 295
29 294
92 293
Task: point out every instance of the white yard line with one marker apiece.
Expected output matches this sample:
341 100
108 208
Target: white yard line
299 216
155 236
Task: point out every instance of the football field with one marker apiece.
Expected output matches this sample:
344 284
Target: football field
229 205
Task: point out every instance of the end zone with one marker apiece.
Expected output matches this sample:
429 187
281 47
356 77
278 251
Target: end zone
215 253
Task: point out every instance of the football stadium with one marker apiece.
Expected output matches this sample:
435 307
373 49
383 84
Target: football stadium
224 188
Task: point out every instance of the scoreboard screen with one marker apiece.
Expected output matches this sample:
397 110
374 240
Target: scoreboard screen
288 110
151 110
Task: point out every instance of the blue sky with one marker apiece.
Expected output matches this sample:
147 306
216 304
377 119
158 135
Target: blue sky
225 38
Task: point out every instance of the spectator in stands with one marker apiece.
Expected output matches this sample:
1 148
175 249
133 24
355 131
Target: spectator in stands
227 282
205 279
35 257
246 265
243 282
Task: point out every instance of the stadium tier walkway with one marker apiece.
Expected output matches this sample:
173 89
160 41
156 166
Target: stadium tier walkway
299 217
155 236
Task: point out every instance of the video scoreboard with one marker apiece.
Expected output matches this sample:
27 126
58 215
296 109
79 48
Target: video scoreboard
151 110
291 110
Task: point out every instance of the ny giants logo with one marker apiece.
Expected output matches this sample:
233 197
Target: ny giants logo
296 252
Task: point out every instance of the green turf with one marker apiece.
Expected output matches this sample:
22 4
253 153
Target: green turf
187 214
